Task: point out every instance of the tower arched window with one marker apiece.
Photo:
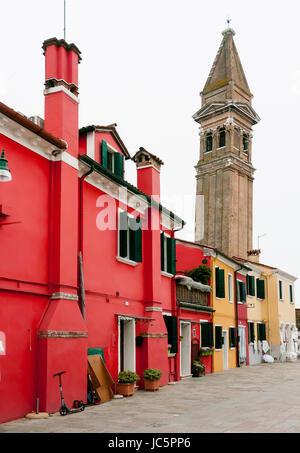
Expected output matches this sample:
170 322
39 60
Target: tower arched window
222 138
208 143
245 143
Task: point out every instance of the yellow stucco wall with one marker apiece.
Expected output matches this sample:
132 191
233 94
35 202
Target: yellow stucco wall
275 310
257 309
285 309
224 315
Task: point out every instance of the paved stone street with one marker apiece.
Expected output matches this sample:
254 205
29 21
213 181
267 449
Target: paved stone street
261 398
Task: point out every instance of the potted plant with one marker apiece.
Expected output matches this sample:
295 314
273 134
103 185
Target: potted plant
169 348
126 381
152 379
198 369
206 352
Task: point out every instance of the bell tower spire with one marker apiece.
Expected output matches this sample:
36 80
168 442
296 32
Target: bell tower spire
224 170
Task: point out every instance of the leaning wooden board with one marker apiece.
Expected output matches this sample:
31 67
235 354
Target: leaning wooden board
100 377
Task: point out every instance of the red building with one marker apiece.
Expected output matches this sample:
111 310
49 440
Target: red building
88 260
242 316
195 314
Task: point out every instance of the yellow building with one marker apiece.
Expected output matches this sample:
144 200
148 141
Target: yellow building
258 313
271 311
224 317
282 316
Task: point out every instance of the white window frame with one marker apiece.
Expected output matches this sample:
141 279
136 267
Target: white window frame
217 325
164 272
240 302
251 322
121 259
231 327
230 287
202 321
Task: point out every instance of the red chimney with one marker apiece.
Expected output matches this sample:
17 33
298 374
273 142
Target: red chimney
61 91
148 173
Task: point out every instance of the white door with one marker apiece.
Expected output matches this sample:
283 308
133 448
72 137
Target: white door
242 345
185 349
225 349
126 344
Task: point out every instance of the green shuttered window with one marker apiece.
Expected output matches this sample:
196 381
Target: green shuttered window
251 334
250 285
232 338
168 254
207 336
241 291
280 290
171 324
261 332
130 237
218 337
220 283
291 293
112 161
260 289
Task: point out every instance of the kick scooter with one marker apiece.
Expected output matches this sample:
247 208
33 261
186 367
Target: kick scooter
64 410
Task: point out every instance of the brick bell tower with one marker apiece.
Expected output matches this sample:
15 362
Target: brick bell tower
224 170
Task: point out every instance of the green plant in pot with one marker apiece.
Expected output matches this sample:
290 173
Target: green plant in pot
206 352
152 379
198 369
126 381
200 274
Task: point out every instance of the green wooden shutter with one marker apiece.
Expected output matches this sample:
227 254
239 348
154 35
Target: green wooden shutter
123 234
162 251
243 292
104 154
251 333
220 283
280 289
118 165
171 324
291 293
260 289
258 332
210 335
135 240
232 341
250 285
204 335
218 337
263 332
171 256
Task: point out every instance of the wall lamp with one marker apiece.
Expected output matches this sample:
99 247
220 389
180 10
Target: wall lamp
5 174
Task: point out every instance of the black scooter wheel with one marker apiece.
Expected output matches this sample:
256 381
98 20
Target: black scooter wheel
63 411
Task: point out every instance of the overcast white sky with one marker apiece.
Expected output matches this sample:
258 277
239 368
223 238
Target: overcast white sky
144 64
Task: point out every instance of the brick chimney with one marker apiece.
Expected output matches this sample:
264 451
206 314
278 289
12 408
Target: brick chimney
61 91
253 255
148 173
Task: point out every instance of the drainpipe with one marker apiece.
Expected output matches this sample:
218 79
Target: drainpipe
174 301
237 320
80 240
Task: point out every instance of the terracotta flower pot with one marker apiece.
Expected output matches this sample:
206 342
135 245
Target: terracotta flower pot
151 386
125 389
